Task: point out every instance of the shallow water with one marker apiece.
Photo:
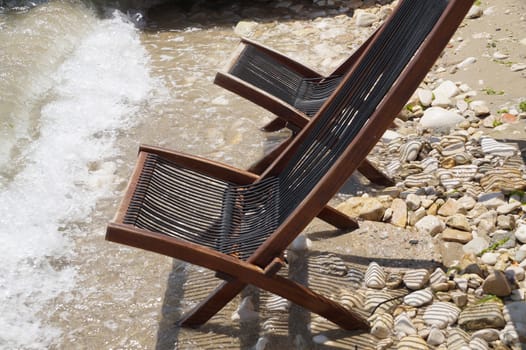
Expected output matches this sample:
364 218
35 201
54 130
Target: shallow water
79 93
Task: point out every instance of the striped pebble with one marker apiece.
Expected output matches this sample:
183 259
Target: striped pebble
503 179
375 276
457 339
419 298
420 180
441 314
277 304
453 149
403 326
409 151
438 276
429 165
378 300
352 299
478 344
393 280
416 279
480 316
412 342
355 277
493 147
381 325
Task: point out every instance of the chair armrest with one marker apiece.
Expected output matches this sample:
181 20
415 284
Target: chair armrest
262 98
202 165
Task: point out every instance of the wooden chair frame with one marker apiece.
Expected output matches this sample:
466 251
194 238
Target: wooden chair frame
261 267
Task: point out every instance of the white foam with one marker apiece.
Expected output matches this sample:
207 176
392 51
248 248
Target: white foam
96 92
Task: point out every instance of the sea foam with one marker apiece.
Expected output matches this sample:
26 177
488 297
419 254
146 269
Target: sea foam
96 93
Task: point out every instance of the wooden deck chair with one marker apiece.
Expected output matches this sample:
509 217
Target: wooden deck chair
289 89
238 223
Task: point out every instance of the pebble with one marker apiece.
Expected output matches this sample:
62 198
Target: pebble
475 12
413 201
449 208
381 325
365 19
436 336
497 284
447 89
459 222
412 342
488 334
482 315
476 245
516 272
419 298
403 326
425 96
494 147
440 119
430 224
375 276
437 276
451 235
441 314
517 67
520 233
489 258
416 279
480 108
459 298
399 212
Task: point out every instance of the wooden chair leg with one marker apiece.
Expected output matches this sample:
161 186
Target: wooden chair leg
212 304
374 175
274 125
337 219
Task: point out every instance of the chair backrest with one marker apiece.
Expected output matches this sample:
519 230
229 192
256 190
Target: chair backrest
329 149
351 106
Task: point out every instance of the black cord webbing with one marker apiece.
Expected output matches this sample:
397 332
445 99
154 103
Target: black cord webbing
187 205
264 72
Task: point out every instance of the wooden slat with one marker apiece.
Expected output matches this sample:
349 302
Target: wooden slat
202 165
130 189
262 98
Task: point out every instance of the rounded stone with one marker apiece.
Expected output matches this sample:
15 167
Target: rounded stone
441 314
489 258
520 233
481 316
440 118
451 235
416 279
497 284
430 224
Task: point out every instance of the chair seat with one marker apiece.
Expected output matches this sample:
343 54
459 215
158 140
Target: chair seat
232 219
